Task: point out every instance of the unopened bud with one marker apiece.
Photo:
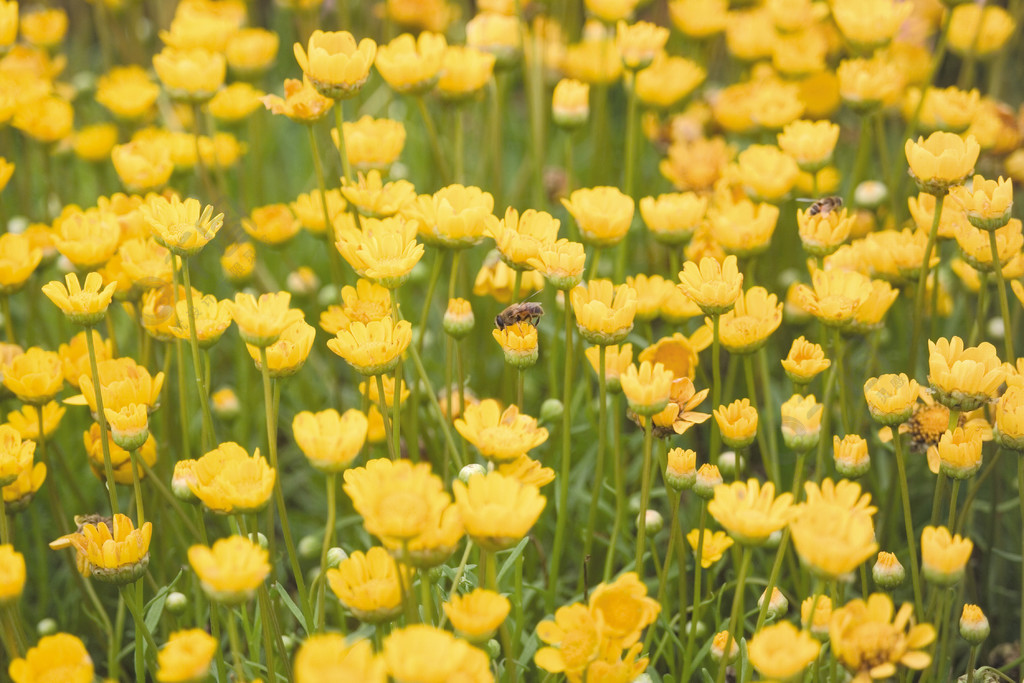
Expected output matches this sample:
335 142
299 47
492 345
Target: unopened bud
551 410
176 602
46 627
708 477
309 547
974 627
718 645
335 556
470 470
728 461
777 606
888 573
652 520
681 472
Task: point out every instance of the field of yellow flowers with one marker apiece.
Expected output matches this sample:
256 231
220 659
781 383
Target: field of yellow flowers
453 341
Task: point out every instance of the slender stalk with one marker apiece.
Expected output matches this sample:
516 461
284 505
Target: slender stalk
204 391
773 577
1004 306
460 142
716 386
140 510
5 306
908 520
975 489
435 276
972 662
332 485
563 474
735 628
691 636
339 122
952 504
318 166
599 464
645 494
922 282
863 159
5 534
620 491
770 414
441 420
1020 487
841 375
770 465
286 529
135 607
940 485
435 142
236 646
982 314
385 418
101 418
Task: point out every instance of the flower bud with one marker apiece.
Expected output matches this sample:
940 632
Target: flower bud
888 573
469 470
225 404
870 194
309 547
817 624
718 647
708 477
851 455
551 410
176 602
261 540
778 605
728 461
458 318
46 627
335 556
493 649
302 282
681 472
974 627
652 520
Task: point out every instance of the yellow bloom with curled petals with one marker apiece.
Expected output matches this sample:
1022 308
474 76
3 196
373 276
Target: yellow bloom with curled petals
455 216
750 511
822 233
611 11
1009 422
374 348
370 585
869 24
678 353
801 422
26 420
573 641
981 30
958 452
184 227
964 378
836 295
809 143
120 459
673 218
464 72
715 545
335 64
46 119
651 293
329 440
699 18
18 260
261 321
850 455
500 436
424 653
301 102
112 551
212 317
521 237
127 92
871 643
604 312
231 569
864 84
561 263
667 80
781 651
528 471
250 52
891 397
142 165
371 196
616 360
186 656
190 74
229 481
16 455
987 203
397 500
87 238
60 657
622 610
519 342
477 615
805 361
384 251
497 510
679 413
742 227
766 173
412 64
737 422
831 539
976 246
83 303
647 388
941 161
712 285
570 103
327 657
944 556
12 574
639 43
603 214
746 328
273 224
35 376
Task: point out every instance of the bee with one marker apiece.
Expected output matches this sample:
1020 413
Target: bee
523 312
824 206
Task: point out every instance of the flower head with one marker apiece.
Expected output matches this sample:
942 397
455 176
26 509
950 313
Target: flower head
60 657
647 388
12 574
519 343
330 441
712 285
805 361
497 510
261 321
112 551
335 64
750 511
326 657
871 643
801 422
477 615
424 653
412 64
714 546
622 610
370 584
603 214
500 436
964 378
35 376
301 103
229 481
186 657
941 161
782 651
374 348
944 556
231 570
398 501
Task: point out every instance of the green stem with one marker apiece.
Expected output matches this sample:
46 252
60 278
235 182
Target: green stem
385 417
5 306
620 491
460 143
318 166
339 122
841 374
972 662
940 485
332 485
563 474
716 386
435 142
135 607
1020 488
922 282
293 558
445 428
863 158
101 418
169 497
908 520
770 465
193 339
773 577
975 489
5 534
770 414
735 629
236 646
1004 306
140 510
982 314
645 494
435 276
952 504
691 636
602 437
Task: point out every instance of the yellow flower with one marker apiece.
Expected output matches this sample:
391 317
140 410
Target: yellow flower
974 626
18 260
949 109
617 359
235 103
87 238
750 511
809 143
639 43
477 615
370 195
864 84
941 161
373 348
696 164
699 18
805 361
60 657
715 545
384 251
212 318
397 500
12 574
412 65
183 227
603 214
781 651
801 422
622 610
231 570
831 539
288 354
742 227
229 481
1009 418
870 643
891 398
746 328
570 103
575 639
26 420
836 296
988 203
712 285
94 143
464 72
519 343
143 165
190 74
301 103
120 459
238 261
500 436
455 216
335 64
370 585
273 224
604 312
528 471
327 657
869 25
967 37
611 11
766 173
678 353
667 80
647 388
123 382
35 376
46 120
16 455
498 511
520 238
673 218
250 52
822 233
330 441
976 247
186 657
6 171
261 321
817 623
964 378
111 551
850 455
83 304
425 654
496 33
561 263
679 415
944 556
737 422
126 92
958 452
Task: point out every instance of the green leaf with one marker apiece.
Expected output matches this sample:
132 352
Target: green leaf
511 559
292 607
155 609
